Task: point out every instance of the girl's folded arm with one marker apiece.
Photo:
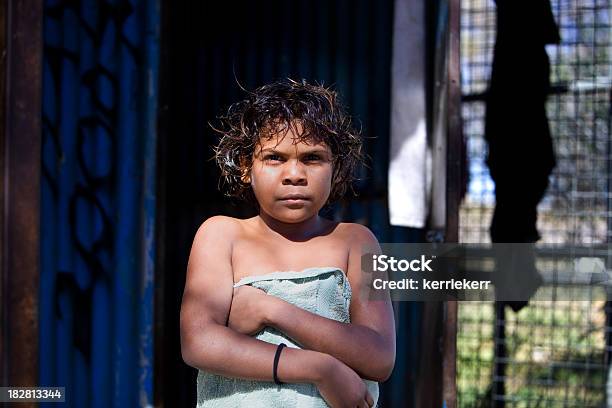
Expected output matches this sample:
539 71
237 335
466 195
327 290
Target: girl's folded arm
367 344
206 342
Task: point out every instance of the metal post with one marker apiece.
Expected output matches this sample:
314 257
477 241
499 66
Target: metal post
453 186
21 134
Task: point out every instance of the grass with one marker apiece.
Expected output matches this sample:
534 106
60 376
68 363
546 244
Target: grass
555 354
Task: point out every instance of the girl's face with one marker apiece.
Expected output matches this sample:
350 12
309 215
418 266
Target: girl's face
291 180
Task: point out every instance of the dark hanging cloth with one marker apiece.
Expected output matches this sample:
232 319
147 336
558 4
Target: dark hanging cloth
521 155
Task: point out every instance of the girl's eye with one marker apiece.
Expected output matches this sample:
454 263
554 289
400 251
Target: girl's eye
277 158
272 157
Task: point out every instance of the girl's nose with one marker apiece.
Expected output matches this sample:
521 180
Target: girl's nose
294 173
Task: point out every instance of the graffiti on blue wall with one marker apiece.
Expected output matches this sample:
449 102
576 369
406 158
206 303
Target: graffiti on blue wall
98 200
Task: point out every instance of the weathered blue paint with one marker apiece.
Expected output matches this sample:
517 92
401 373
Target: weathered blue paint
98 200
146 284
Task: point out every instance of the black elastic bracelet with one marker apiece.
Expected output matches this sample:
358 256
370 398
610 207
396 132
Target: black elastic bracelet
275 367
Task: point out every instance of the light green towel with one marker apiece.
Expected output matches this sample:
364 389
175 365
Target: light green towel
324 291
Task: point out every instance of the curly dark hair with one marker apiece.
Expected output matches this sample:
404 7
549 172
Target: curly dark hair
277 107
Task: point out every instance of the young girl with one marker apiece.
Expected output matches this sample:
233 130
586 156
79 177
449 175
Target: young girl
274 311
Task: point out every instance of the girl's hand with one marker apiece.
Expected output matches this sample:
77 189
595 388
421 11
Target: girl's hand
247 311
341 387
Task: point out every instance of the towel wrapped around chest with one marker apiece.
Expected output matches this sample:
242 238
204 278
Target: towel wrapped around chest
324 291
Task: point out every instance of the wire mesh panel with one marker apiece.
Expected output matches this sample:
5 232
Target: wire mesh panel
555 352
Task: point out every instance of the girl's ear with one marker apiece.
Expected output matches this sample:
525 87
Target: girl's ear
245 173
245 177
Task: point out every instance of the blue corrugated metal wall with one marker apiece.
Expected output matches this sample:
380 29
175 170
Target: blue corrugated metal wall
98 200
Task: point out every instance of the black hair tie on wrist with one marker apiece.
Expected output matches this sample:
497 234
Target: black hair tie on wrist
275 367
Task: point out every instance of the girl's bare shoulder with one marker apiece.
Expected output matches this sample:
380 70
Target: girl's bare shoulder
222 227
355 233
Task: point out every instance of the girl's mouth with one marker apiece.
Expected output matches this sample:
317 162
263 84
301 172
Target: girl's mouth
294 200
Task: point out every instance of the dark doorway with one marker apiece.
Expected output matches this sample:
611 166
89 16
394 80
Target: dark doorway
209 50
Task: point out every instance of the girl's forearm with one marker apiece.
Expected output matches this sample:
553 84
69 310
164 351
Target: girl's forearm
359 347
222 351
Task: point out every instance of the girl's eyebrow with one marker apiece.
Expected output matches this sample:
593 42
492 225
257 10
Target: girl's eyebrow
272 150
